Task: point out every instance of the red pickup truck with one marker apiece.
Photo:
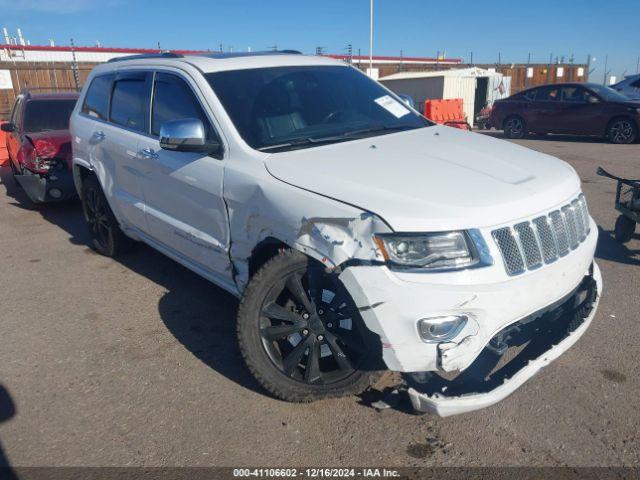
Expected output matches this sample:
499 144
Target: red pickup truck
39 145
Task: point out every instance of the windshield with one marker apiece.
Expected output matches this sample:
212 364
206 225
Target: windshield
609 94
295 107
40 115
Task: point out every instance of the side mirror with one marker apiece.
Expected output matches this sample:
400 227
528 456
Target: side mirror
8 127
407 99
187 135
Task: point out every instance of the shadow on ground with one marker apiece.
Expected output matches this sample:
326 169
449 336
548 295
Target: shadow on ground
610 249
7 411
555 138
200 315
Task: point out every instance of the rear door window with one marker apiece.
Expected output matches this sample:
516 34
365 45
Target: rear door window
574 94
174 100
96 101
130 101
548 94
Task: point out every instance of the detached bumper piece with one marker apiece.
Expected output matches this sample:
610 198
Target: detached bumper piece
512 357
50 187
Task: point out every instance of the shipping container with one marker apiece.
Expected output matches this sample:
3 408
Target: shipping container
476 87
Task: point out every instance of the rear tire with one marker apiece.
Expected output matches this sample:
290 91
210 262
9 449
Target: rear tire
300 342
515 128
106 236
624 229
622 131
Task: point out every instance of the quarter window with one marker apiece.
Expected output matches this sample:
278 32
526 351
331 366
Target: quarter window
174 100
96 101
130 101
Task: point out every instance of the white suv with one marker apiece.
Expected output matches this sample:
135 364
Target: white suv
358 235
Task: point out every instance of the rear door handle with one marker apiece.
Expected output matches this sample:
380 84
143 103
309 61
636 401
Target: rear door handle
148 153
99 135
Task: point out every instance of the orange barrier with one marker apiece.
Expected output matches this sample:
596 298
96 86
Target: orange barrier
4 155
446 112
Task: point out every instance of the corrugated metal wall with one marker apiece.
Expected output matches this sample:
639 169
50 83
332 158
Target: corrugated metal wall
462 87
39 76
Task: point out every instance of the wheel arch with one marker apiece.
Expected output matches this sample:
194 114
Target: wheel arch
80 171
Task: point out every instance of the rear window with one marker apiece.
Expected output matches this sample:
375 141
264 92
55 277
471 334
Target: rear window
42 115
96 102
130 102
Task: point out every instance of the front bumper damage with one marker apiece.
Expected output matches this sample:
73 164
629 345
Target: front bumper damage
51 187
542 338
391 302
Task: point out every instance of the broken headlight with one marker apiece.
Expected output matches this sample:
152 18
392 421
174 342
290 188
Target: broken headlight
437 250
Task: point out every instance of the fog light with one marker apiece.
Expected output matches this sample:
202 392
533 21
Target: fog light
438 329
55 193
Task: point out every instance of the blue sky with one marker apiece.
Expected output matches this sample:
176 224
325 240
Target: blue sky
418 27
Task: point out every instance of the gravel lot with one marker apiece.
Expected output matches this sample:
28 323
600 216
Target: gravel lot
133 362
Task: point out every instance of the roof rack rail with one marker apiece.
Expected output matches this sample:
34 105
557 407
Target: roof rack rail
221 55
146 55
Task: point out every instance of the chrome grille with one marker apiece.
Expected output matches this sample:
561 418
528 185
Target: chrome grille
560 232
531 244
509 249
547 241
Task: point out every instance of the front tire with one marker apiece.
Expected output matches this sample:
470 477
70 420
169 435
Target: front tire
622 131
624 229
515 128
104 231
301 335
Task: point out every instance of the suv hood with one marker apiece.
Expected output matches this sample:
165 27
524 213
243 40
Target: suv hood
430 179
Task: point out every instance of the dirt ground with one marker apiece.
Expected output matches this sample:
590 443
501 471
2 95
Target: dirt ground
133 362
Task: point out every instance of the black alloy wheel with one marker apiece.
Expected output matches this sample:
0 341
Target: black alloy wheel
514 128
622 131
308 339
104 231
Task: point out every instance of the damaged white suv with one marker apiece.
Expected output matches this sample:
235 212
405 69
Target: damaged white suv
358 235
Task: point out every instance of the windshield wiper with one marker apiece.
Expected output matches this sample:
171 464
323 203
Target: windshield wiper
349 135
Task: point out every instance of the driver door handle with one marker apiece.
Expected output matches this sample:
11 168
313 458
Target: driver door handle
99 135
148 153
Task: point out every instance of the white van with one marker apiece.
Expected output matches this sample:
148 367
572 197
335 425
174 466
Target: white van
358 235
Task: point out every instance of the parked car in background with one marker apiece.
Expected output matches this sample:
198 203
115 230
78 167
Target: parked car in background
358 235
629 87
39 145
568 108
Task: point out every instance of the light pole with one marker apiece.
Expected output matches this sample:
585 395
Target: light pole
370 38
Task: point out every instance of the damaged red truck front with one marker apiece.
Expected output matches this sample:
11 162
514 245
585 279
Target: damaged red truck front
39 145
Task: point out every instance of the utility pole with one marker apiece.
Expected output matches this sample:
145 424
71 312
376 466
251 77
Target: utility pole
370 37
638 65
606 61
471 59
74 66
273 48
319 50
350 53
